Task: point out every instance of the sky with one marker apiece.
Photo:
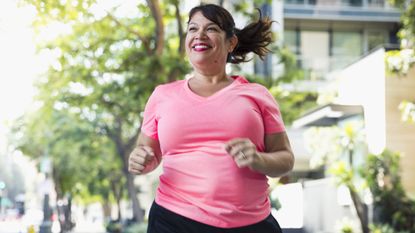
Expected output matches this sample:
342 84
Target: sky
18 63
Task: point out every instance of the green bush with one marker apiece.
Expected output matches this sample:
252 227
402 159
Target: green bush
392 207
136 228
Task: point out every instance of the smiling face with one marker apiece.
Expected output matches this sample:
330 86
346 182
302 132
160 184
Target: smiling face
206 44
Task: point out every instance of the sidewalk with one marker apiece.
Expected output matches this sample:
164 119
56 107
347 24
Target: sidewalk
88 227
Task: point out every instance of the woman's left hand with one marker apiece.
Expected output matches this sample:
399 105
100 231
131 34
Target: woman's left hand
244 152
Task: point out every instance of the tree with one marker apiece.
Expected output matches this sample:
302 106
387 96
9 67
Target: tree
329 145
108 64
78 156
392 206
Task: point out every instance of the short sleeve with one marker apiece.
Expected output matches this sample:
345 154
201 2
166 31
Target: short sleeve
150 118
271 114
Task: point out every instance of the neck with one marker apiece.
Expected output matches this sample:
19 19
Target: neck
211 78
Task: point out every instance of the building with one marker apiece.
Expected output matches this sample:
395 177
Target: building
327 35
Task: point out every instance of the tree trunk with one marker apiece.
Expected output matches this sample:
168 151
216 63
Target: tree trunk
106 207
158 18
123 152
117 191
360 209
138 213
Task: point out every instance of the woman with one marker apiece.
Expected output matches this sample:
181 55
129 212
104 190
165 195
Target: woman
219 136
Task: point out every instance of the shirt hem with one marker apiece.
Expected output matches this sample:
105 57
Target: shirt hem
202 218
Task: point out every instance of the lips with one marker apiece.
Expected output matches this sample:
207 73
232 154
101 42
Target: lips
201 47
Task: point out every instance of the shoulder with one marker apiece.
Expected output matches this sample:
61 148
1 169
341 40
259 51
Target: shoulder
250 86
166 88
170 86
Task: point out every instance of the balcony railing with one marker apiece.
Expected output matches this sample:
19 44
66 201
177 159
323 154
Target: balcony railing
318 68
344 3
356 10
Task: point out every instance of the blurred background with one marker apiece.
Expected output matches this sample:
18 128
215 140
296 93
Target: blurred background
75 76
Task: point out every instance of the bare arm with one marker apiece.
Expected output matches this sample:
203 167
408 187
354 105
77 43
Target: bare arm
276 161
145 157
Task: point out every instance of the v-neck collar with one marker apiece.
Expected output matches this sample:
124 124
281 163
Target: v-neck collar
236 80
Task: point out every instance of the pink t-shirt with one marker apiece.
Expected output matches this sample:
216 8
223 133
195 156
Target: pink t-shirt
200 179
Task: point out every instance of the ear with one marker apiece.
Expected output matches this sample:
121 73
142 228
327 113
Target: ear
233 42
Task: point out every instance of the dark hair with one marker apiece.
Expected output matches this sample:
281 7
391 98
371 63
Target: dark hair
255 37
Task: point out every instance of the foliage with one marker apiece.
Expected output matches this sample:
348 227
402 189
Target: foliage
293 103
407 32
106 65
114 227
408 111
331 144
322 143
399 62
392 205
120 227
136 228
345 141
384 228
11 176
76 151
346 225
394 211
245 7
289 61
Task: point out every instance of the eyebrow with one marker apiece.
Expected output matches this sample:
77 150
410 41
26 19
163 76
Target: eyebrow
209 24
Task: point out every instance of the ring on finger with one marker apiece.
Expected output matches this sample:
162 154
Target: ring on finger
243 155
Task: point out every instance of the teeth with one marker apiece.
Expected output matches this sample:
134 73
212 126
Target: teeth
200 46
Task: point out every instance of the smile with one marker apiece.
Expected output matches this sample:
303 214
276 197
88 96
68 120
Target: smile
201 47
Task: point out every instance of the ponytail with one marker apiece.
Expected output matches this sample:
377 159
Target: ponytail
255 37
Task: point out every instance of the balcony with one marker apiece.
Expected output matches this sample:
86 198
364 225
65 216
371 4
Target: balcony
341 10
316 69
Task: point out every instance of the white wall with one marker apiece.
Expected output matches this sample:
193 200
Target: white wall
363 83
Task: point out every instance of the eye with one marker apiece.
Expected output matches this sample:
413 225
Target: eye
192 29
212 29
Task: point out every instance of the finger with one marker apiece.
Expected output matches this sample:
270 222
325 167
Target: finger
236 151
148 150
148 153
138 159
241 162
135 171
142 152
233 142
238 142
135 168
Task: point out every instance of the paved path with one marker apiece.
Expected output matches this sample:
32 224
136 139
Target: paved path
16 226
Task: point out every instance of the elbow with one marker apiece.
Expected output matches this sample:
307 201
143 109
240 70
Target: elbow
287 166
290 162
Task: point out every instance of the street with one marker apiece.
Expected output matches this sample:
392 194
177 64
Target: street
17 226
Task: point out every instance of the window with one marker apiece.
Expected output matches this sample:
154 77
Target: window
346 47
290 40
376 38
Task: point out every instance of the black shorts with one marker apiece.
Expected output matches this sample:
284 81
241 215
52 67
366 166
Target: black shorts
162 220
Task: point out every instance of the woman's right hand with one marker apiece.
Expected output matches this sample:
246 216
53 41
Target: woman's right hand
140 160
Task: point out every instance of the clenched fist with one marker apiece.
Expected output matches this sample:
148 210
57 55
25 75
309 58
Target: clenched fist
142 160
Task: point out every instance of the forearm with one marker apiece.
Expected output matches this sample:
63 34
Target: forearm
274 164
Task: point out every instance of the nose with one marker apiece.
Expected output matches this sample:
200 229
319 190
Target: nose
200 34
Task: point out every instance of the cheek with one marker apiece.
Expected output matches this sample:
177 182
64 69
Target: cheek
187 44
